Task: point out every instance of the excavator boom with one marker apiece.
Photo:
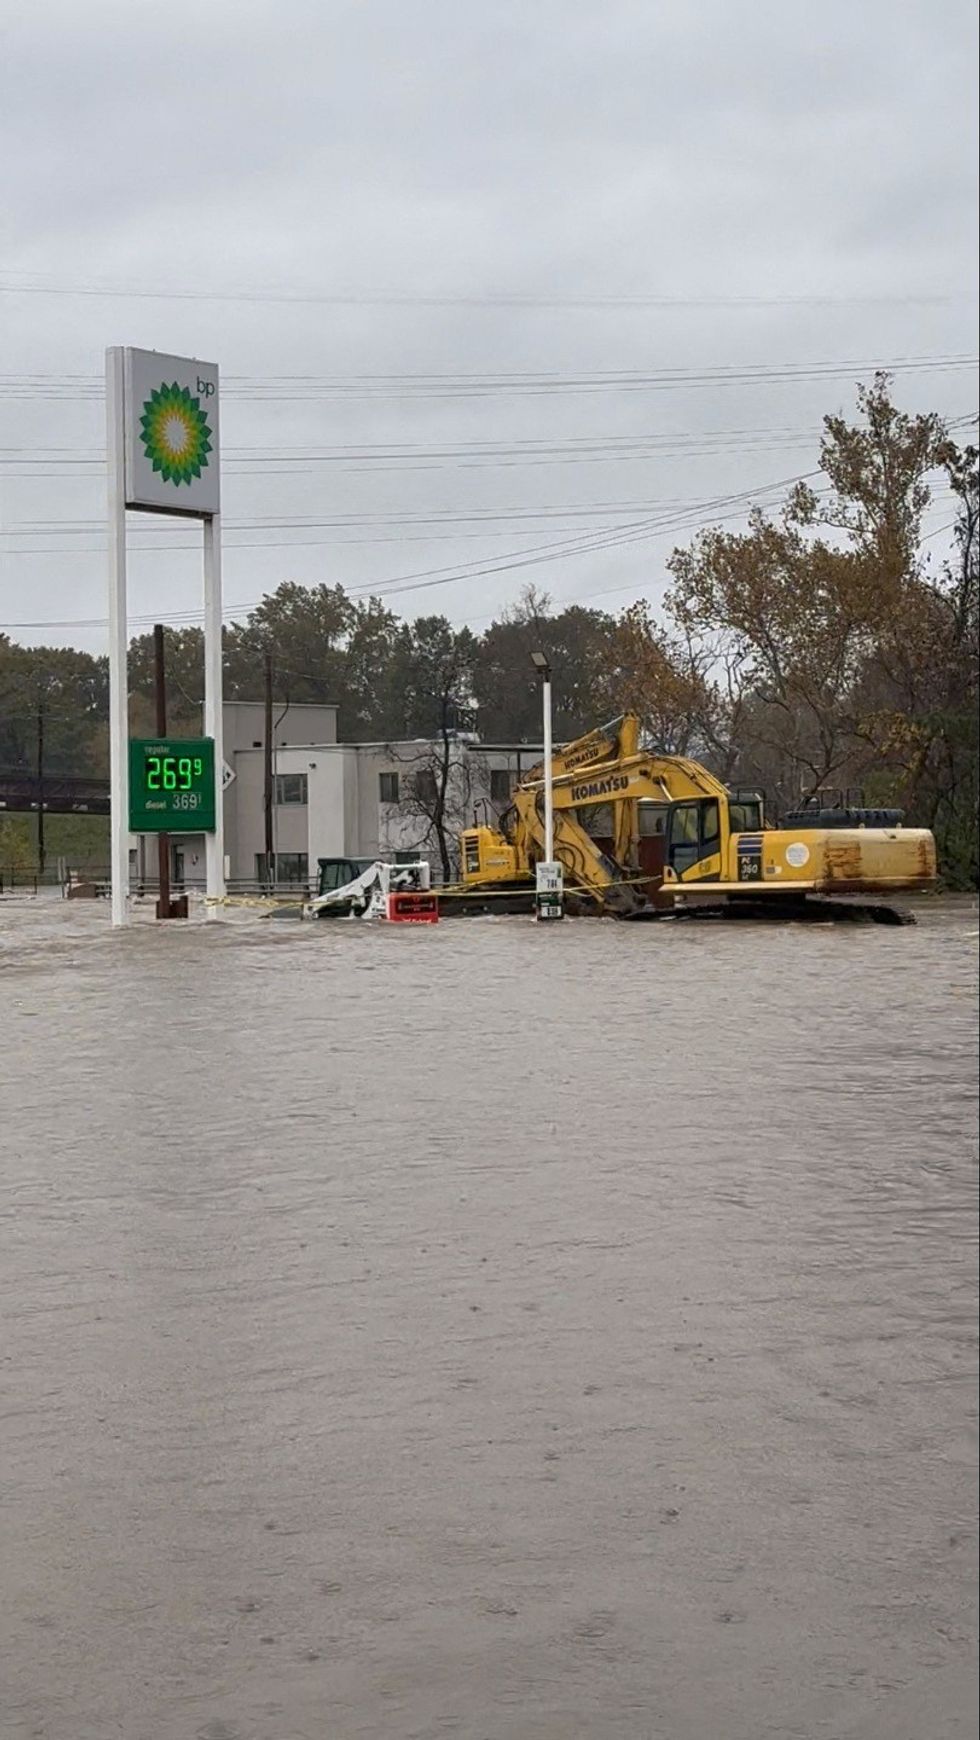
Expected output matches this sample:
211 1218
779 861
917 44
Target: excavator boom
613 742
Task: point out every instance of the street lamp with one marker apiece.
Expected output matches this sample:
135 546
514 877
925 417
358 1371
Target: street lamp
549 881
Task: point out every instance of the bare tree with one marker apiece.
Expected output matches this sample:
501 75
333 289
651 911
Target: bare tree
442 781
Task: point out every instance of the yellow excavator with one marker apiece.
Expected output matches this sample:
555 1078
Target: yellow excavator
640 834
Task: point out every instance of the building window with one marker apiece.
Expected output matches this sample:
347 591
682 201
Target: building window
288 867
500 785
388 788
424 785
653 819
291 867
291 788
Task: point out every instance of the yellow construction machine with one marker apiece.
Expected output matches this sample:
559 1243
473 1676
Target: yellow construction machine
640 834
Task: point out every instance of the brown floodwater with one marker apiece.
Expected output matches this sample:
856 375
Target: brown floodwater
493 1331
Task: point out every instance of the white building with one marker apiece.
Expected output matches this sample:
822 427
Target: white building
332 800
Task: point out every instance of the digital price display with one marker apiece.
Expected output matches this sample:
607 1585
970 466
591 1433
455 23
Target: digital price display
171 785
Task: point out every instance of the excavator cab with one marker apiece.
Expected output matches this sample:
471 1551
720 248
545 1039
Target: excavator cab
746 812
487 856
699 831
694 837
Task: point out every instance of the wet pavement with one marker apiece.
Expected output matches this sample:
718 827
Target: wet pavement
492 1331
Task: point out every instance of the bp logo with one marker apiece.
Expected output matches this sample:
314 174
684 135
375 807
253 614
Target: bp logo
175 433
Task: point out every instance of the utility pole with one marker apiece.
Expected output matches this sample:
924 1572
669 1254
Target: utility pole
270 867
41 855
165 908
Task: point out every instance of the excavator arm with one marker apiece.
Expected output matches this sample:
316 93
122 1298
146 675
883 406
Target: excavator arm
610 881
588 870
613 742
606 767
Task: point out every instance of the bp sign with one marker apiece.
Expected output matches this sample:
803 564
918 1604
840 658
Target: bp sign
171 428
162 457
171 785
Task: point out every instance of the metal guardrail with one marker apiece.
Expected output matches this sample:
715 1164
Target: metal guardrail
15 881
148 887
18 879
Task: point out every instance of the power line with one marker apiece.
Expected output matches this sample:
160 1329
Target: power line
586 598
935 533
427 578
413 517
423 579
289 543
300 543
31 286
301 388
681 443
475 454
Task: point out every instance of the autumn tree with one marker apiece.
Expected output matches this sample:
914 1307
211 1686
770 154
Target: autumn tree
675 684
795 607
877 471
918 698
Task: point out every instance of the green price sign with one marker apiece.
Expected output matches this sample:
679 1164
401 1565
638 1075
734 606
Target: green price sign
171 785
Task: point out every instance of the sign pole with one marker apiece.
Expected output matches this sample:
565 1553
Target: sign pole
549 774
214 843
547 874
118 648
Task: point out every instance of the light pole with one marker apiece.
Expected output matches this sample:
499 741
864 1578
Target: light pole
548 903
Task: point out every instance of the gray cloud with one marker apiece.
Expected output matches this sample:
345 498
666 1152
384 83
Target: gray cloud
819 155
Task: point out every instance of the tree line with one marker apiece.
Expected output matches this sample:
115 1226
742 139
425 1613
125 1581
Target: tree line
821 649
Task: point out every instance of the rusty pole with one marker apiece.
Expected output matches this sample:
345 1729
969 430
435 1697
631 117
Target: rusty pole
163 840
268 783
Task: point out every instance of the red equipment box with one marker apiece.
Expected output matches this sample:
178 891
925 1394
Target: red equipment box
413 908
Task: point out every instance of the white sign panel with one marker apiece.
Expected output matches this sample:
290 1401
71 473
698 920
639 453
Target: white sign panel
171 431
548 878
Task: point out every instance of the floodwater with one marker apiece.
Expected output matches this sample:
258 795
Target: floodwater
492 1331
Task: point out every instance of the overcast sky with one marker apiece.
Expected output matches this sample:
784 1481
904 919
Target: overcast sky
482 279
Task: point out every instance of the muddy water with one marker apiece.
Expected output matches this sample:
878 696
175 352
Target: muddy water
493 1332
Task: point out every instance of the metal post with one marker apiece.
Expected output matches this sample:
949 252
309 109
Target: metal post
214 844
118 703
548 874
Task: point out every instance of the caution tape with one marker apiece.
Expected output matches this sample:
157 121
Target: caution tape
593 891
453 893
480 893
251 900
